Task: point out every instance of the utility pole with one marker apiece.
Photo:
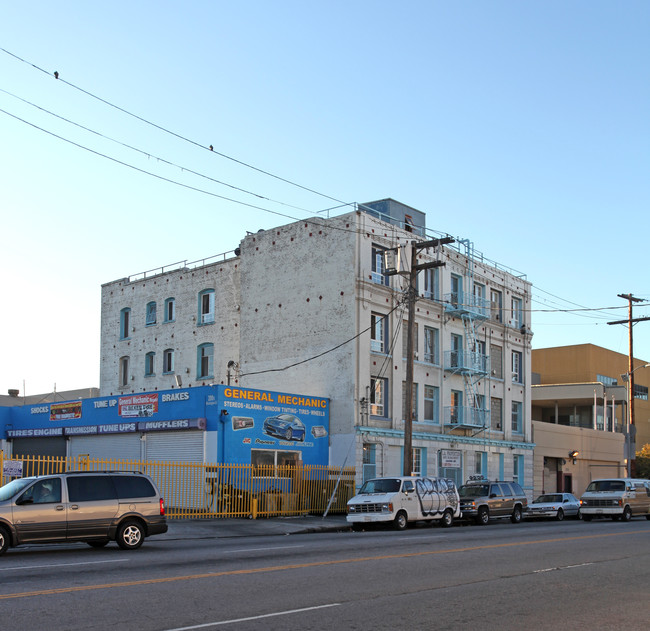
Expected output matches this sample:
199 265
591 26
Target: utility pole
412 292
631 430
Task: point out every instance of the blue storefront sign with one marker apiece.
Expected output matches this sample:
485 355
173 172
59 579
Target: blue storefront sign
239 422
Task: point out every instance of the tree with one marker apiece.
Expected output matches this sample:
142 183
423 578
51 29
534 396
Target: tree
643 462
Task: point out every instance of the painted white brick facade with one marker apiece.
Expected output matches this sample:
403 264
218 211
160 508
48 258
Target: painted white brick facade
294 311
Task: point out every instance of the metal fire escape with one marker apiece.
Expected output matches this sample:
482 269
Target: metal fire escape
469 361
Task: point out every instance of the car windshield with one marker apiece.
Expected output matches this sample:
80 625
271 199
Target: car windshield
473 490
606 485
546 499
11 488
380 486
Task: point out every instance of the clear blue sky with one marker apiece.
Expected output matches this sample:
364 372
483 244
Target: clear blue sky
523 126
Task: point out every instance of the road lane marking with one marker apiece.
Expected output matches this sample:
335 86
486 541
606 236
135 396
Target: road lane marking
32 567
564 567
260 617
298 566
260 549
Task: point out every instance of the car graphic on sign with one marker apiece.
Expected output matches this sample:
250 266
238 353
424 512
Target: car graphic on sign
285 426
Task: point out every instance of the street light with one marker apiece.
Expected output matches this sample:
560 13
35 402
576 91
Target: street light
629 443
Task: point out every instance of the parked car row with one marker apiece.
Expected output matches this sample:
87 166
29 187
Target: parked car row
401 500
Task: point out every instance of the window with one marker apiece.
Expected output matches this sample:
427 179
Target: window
496 360
206 306
496 305
480 463
479 295
430 283
378 265
378 333
456 290
456 411
125 317
517 425
431 345
456 351
149 363
168 360
405 339
416 461
518 469
170 310
516 312
89 488
640 392
369 461
496 414
431 404
378 397
415 401
266 462
124 372
151 314
517 375
607 381
205 358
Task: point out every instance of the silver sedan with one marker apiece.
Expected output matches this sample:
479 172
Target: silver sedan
555 505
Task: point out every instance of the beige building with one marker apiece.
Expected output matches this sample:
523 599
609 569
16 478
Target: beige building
579 403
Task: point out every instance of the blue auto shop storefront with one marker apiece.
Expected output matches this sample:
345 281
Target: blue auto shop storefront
216 424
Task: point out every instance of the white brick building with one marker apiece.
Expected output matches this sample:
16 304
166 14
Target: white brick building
305 308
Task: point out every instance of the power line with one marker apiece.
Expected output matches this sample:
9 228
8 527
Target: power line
209 148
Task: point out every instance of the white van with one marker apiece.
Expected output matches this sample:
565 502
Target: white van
618 498
403 500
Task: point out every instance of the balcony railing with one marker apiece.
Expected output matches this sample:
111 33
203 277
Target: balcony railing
467 362
460 304
463 416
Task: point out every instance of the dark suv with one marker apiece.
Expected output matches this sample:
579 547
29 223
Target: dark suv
481 500
94 507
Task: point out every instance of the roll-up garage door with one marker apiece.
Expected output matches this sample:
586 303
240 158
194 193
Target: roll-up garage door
185 446
111 447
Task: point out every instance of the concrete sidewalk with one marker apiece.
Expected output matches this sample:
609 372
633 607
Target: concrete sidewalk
217 528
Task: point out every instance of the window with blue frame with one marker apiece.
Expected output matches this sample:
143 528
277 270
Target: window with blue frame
168 361
377 274
149 364
369 461
517 312
205 361
480 463
170 310
456 290
429 283
501 467
431 345
518 469
431 404
124 372
378 335
125 321
206 306
379 396
517 420
517 367
150 317
418 460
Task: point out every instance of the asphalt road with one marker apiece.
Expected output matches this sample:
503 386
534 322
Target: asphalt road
538 575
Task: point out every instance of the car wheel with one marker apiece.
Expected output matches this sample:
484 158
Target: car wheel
647 517
579 514
483 516
587 517
97 544
357 527
288 434
400 522
4 540
130 535
447 519
515 518
627 514
560 514
616 517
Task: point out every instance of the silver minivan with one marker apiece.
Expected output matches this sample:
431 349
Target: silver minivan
94 507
